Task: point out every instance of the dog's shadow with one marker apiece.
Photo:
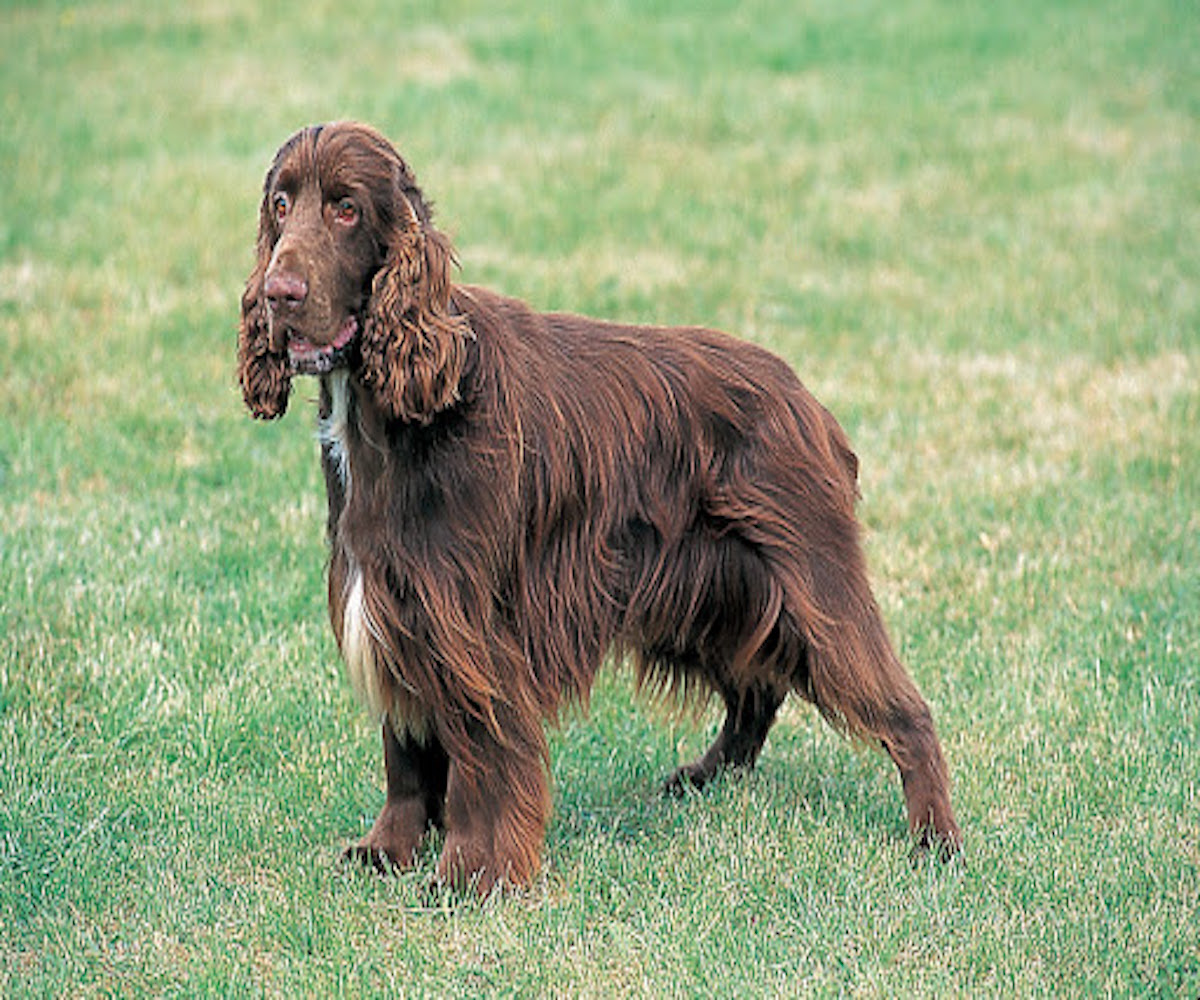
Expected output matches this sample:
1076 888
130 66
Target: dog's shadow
610 787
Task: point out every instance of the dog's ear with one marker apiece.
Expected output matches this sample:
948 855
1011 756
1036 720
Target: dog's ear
263 367
413 347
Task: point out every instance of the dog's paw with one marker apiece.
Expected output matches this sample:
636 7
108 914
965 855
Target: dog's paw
364 855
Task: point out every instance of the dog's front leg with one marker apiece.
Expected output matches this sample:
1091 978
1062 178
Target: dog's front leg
416 789
497 808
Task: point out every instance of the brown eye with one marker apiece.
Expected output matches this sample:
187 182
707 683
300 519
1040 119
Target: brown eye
281 205
346 212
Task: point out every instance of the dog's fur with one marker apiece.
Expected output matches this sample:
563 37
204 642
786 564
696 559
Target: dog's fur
513 496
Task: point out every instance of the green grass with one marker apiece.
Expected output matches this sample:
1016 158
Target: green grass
971 227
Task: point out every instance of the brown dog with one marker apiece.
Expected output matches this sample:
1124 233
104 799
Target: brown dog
513 495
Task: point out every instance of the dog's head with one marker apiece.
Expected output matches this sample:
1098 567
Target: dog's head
350 273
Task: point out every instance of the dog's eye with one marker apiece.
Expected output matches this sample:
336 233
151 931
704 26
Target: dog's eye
346 212
281 205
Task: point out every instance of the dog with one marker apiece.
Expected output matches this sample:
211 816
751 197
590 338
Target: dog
514 496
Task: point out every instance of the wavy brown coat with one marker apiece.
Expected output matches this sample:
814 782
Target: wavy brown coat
514 496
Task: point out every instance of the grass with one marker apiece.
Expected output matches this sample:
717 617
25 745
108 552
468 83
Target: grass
972 228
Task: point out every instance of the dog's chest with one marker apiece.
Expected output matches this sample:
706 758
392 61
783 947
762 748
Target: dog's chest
369 656
359 634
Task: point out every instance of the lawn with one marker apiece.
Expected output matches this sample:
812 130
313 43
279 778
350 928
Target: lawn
975 231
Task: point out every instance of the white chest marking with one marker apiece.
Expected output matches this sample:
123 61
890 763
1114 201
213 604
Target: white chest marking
358 647
373 678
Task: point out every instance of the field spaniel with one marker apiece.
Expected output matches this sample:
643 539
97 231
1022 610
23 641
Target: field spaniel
514 496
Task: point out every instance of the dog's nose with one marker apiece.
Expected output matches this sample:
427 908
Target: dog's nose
283 289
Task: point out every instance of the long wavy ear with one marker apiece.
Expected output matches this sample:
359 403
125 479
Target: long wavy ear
413 348
263 368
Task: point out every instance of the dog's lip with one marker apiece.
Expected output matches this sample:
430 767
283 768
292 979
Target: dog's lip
308 358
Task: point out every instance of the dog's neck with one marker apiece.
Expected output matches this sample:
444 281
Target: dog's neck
353 431
337 403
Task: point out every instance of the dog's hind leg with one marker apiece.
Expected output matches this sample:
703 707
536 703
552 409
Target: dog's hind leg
749 716
858 683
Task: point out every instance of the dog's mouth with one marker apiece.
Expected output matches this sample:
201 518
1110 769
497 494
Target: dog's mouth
307 358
